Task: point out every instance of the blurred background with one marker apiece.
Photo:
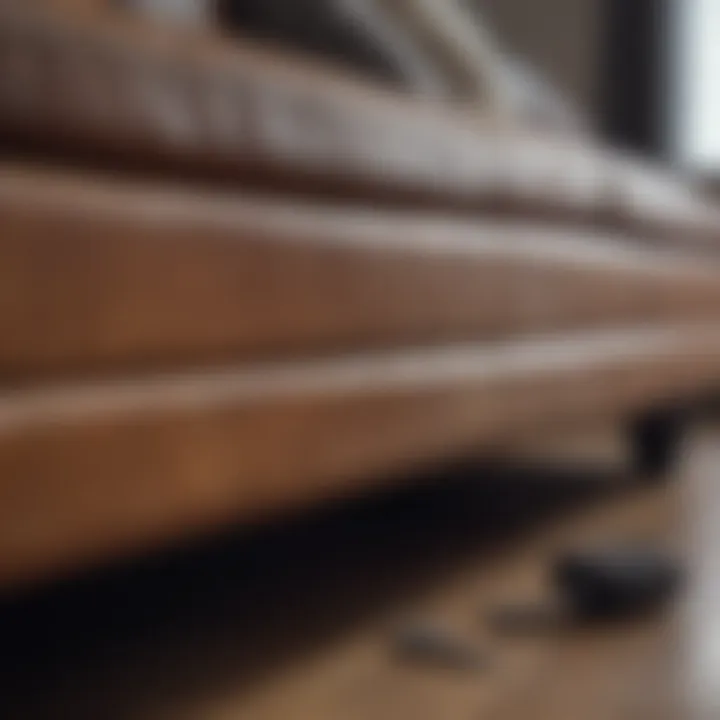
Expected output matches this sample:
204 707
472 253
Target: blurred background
641 73
298 617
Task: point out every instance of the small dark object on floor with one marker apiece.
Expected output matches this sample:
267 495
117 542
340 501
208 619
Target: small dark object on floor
617 584
531 619
436 647
599 586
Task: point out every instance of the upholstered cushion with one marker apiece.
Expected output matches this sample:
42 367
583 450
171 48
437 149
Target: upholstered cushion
152 101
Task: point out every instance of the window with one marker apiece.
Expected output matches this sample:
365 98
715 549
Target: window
696 102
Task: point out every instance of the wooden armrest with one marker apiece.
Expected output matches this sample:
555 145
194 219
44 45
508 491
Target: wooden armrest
91 470
100 274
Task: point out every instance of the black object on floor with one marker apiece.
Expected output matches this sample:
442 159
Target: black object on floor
616 584
597 586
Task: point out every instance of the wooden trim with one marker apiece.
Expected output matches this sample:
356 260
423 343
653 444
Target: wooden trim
97 276
91 470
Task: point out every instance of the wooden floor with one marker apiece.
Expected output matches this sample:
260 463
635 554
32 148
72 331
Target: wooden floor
297 621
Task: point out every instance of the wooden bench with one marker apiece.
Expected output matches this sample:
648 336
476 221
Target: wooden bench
233 283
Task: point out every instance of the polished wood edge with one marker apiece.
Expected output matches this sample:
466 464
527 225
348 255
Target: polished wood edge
94 470
101 276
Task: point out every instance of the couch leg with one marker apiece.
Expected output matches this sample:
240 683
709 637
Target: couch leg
656 440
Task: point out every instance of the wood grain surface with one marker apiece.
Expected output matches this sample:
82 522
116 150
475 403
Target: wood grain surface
90 470
99 276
